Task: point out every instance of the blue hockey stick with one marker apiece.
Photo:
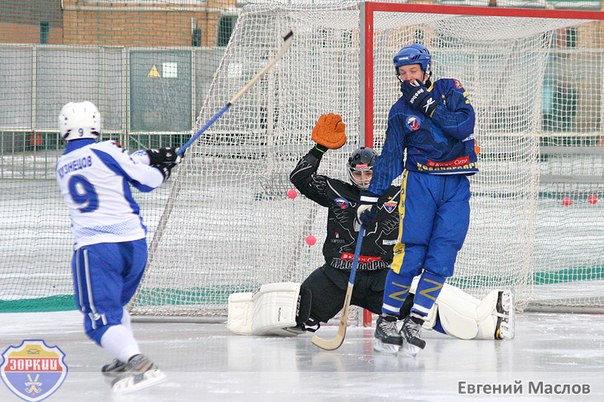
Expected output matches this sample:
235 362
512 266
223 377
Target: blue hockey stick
333 344
287 40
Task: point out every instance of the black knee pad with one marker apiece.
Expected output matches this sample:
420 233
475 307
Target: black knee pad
304 304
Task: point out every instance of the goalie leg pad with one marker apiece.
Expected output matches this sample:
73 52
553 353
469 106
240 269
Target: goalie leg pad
466 317
269 311
457 312
275 309
240 313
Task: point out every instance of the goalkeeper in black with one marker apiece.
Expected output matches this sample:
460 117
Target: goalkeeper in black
326 286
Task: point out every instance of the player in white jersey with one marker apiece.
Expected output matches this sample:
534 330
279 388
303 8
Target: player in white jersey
110 249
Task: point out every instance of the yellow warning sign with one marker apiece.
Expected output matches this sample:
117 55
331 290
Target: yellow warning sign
153 73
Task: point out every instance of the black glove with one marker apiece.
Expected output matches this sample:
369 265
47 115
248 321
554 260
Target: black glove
418 96
160 156
165 169
164 159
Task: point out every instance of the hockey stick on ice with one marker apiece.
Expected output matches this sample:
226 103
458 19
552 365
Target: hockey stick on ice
334 343
287 40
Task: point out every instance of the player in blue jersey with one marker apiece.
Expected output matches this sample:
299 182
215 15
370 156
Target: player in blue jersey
110 249
430 140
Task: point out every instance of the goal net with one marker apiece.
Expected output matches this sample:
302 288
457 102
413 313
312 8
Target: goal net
533 77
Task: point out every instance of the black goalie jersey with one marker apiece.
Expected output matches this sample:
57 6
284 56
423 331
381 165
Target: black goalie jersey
342 200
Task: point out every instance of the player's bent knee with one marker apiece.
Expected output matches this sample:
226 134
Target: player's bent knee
96 333
304 305
95 325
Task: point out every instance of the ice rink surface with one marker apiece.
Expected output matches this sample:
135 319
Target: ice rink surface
205 362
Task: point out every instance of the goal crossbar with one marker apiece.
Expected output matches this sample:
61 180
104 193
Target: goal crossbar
367 27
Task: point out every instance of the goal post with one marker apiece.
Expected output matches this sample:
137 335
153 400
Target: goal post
232 228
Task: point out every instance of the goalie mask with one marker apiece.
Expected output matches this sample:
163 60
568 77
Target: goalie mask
360 167
413 54
79 120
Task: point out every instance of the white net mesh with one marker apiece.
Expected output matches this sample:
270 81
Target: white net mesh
230 226
227 224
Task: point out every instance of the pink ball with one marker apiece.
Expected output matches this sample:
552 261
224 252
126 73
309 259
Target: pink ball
593 199
292 194
566 201
311 240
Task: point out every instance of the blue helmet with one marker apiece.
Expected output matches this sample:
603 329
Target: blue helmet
413 54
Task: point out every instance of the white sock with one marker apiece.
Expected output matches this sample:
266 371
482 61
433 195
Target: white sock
119 341
126 319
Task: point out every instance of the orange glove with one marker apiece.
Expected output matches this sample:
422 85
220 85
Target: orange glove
330 131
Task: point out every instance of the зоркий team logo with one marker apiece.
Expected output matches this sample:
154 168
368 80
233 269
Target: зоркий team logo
33 370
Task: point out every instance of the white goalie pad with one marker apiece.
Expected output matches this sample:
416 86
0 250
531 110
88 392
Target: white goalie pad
241 313
458 313
269 311
462 315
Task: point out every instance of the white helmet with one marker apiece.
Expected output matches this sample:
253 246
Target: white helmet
79 120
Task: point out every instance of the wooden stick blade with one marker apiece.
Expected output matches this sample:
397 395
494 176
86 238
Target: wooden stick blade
336 342
329 344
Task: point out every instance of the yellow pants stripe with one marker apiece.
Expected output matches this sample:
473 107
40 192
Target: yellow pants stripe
399 247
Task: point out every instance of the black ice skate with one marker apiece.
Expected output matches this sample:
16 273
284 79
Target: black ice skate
386 338
411 332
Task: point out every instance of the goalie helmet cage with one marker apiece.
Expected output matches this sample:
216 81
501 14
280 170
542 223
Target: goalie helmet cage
229 226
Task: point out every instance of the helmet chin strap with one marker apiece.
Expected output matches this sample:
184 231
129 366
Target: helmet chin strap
428 74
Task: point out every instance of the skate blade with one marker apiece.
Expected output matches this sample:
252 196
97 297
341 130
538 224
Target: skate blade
389 348
137 382
112 374
506 332
409 349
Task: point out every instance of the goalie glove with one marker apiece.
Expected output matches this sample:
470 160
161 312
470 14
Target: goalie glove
418 96
330 131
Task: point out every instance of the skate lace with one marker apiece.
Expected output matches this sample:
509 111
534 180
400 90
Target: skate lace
139 364
388 327
411 329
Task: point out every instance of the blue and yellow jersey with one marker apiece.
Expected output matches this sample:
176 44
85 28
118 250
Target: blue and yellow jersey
441 144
